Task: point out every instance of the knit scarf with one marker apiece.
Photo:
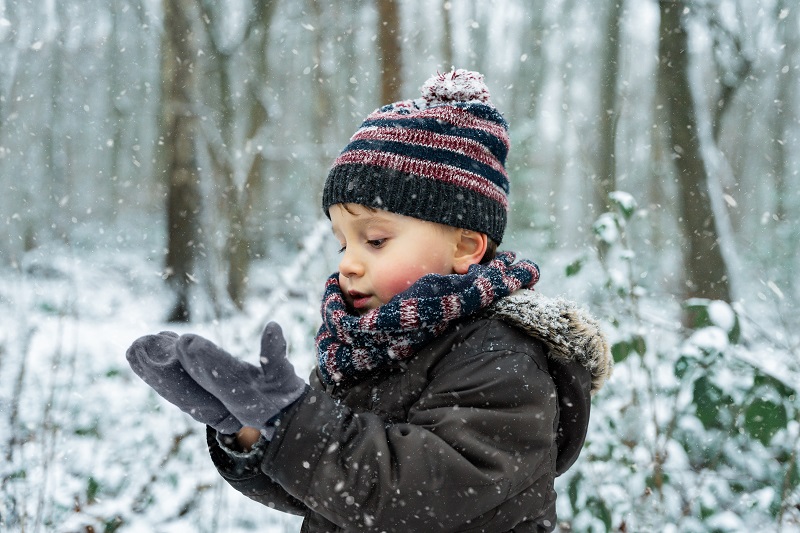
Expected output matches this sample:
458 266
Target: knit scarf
350 347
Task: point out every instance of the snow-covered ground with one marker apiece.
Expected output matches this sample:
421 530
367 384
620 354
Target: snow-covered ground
88 447
85 442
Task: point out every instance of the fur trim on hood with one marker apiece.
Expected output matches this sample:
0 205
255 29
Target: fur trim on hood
569 332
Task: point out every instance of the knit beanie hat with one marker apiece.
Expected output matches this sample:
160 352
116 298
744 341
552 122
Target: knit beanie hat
439 158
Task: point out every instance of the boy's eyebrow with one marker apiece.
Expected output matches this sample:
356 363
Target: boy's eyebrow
373 221
362 220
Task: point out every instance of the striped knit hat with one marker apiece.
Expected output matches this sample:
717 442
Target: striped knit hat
439 158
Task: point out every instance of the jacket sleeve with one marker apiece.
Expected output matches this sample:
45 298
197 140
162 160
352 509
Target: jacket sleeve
243 473
481 431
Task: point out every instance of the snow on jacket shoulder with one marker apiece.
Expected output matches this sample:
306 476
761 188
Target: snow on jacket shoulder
468 435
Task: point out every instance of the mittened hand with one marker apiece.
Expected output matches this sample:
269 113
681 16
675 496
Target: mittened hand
254 395
154 358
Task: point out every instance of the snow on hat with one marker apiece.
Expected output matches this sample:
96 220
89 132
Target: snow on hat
439 158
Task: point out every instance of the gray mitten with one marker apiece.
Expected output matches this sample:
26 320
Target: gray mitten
154 359
254 395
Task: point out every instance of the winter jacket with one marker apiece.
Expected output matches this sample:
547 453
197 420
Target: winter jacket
468 435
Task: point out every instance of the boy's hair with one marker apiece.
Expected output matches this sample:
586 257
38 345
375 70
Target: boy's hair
488 255
439 158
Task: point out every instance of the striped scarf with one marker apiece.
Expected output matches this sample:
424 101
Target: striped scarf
351 347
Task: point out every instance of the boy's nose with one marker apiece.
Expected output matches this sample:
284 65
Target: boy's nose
350 265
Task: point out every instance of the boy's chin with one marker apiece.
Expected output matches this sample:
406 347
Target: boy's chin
359 311
352 309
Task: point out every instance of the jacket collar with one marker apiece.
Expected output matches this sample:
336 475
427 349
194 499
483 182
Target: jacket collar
569 332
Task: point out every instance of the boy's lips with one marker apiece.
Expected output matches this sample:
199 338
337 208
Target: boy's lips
359 299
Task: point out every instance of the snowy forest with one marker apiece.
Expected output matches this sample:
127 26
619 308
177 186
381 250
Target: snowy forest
162 164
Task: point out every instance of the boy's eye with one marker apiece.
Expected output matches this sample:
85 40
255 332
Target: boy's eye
342 249
376 243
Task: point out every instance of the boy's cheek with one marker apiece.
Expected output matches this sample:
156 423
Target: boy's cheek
397 283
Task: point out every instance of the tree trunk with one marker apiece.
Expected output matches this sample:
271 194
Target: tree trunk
786 115
785 207
447 37
236 254
183 187
119 119
390 47
706 274
55 146
241 201
323 117
607 130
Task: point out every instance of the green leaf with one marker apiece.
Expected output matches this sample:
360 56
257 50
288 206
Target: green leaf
575 267
113 524
735 334
49 308
18 474
764 418
624 202
621 350
650 481
682 366
707 512
793 474
698 311
92 490
87 431
708 400
606 228
767 381
572 491
638 344
600 510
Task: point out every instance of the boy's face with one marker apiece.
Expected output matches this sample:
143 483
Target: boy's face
384 253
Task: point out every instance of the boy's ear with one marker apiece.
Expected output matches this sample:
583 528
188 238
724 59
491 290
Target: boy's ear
470 247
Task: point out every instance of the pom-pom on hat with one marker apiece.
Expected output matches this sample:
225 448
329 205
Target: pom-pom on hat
439 158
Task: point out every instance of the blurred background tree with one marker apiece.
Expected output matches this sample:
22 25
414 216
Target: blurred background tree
210 130
706 272
191 139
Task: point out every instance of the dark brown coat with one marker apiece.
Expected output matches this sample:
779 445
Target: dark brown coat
468 435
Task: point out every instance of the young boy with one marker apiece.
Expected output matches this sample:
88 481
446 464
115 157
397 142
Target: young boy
448 395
